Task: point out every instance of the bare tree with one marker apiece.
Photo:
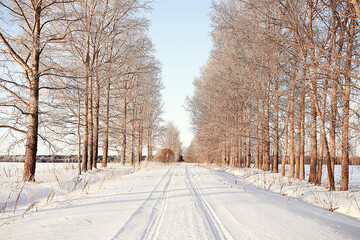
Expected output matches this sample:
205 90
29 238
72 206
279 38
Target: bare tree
171 139
26 48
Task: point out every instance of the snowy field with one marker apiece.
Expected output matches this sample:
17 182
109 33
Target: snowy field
171 202
55 183
347 202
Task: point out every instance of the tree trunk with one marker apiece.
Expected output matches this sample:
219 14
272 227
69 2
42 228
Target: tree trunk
123 145
233 155
312 74
33 107
313 134
78 130
32 133
283 161
248 160
149 142
322 138
132 152
334 90
140 143
291 116
106 133
96 122
323 101
241 149
257 151
275 161
237 151
86 107
261 138
150 147
344 185
298 145
266 137
300 166
91 126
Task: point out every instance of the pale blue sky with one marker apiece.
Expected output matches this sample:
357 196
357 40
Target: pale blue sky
180 31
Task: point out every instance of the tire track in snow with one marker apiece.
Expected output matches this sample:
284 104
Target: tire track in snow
158 212
132 221
218 229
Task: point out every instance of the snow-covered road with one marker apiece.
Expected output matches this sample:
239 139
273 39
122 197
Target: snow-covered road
181 202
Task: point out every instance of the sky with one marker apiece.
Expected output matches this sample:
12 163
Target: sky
180 31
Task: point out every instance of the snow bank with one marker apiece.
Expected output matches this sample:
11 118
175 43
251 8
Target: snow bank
347 202
55 183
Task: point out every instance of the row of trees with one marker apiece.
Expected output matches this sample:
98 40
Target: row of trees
80 74
281 85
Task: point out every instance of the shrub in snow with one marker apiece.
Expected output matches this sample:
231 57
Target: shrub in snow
165 155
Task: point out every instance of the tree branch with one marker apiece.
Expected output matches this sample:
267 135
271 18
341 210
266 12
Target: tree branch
13 128
15 95
14 55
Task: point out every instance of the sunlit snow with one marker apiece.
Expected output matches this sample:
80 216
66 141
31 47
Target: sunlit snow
179 201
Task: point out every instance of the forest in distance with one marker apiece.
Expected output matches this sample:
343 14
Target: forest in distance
56 158
281 85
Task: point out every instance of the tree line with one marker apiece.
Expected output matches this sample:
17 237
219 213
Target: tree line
81 76
281 85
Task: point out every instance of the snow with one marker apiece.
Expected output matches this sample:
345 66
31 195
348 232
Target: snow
53 180
179 201
347 202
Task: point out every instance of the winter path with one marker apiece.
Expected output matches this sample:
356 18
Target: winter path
181 202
